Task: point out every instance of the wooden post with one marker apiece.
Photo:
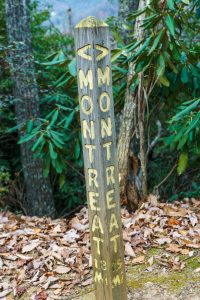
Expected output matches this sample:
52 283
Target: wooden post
99 148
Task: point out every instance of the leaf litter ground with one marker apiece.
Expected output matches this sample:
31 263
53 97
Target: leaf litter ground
44 259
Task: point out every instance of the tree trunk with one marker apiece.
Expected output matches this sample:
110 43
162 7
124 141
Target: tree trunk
125 8
70 28
131 118
39 198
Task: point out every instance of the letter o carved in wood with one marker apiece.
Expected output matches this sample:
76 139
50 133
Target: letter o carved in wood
86 104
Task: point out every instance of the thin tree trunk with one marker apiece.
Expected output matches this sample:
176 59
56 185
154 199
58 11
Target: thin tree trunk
125 8
70 29
128 189
141 127
39 198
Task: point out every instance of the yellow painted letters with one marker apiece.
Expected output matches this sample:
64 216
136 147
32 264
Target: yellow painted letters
110 199
98 240
106 127
86 104
110 175
90 152
113 222
116 280
92 175
96 224
108 153
98 277
88 130
93 201
85 80
104 102
114 240
103 77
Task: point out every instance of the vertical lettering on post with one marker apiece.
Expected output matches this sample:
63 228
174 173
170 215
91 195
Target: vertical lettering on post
99 149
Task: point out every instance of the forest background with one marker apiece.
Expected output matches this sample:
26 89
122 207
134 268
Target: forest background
156 74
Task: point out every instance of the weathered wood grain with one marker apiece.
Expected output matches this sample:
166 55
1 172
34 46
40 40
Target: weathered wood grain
99 147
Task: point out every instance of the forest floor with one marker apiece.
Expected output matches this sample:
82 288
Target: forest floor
49 259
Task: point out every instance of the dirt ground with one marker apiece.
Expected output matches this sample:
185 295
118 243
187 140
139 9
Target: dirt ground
45 259
158 282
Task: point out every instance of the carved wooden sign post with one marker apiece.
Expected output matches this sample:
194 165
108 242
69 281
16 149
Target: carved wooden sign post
99 148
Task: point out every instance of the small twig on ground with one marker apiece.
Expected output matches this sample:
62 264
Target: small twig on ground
70 213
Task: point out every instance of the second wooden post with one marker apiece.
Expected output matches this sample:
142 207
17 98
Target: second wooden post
99 147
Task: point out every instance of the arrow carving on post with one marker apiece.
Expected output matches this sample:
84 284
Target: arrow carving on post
103 52
81 52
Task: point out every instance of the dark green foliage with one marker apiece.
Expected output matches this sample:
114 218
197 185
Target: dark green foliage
169 58
56 133
185 133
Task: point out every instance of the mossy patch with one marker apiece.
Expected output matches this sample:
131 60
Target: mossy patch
193 263
139 276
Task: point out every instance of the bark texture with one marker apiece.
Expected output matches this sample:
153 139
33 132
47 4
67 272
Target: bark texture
125 8
133 115
39 198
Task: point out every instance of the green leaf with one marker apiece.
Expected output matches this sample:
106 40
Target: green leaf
26 138
61 78
171 65
57 138
170 4
57 144
186 1
194 123
161 66
133 46
121 70
54 118
62 179
38 142
30 124
72 67
182 141
164 81
115 54
58 165
144 46
53 154
182 163
15 128
53 63
155 43
64 82
146 20
47 162
58 59
170 24
69 119
186 110
117 37
184 75
136 14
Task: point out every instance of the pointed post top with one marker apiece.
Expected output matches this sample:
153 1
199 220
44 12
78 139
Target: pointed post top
91 22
